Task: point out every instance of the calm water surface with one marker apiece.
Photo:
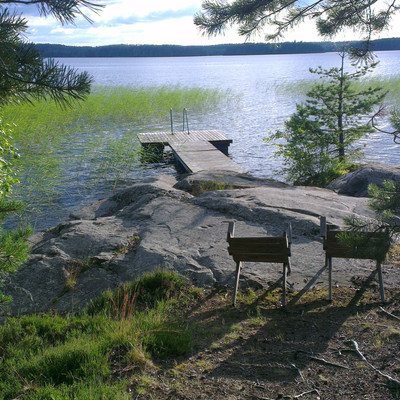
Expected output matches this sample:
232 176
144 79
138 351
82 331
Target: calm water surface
266 87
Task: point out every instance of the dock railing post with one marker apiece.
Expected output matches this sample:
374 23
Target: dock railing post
172 124
187 121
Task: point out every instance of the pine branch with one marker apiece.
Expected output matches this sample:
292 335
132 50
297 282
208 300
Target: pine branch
66 11
332 16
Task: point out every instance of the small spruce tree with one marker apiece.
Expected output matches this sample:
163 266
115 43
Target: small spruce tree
318 142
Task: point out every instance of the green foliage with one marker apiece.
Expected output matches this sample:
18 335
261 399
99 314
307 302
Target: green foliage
395 119
330 16
145 292
13 247
7 152
54 357
317 145
364 245
385 201
395 122
24 75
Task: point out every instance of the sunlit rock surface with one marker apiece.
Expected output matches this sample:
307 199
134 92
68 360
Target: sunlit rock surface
154 224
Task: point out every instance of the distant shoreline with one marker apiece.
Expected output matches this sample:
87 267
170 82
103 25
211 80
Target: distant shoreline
145 50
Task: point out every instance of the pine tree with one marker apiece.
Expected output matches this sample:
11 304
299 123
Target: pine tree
319 138
24 74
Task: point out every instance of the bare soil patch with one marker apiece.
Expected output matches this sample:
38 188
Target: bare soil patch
259 350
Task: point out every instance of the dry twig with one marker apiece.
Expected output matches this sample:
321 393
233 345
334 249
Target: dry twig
391 381
298 370
389 314
323 361
305 393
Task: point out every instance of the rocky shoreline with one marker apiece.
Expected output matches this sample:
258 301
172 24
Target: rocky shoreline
159 223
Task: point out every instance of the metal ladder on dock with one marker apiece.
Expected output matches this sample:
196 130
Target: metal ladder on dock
184 118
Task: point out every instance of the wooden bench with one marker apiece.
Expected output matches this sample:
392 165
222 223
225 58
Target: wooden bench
362 245
259 249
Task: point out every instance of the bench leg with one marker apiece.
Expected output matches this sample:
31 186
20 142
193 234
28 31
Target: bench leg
238 265
330 277
284 285
382 290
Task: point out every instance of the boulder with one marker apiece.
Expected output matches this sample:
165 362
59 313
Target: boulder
356 183
154 225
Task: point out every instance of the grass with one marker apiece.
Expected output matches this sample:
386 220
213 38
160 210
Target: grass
75 356
199 188
135 343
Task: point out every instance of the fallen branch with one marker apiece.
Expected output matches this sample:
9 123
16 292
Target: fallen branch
389 314
305 393
298 370
321 360
391 381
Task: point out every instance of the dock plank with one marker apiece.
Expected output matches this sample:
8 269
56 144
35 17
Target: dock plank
194 136
195 151
200 156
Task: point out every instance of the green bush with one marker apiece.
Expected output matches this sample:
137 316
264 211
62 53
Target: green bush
318 143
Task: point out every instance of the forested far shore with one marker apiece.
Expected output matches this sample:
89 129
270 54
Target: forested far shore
145 50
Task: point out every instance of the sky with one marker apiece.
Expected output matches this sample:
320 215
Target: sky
150 22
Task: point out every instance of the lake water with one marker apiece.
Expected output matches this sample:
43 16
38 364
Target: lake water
265 90
267 87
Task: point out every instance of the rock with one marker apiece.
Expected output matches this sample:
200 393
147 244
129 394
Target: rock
356 183
205 180
153 224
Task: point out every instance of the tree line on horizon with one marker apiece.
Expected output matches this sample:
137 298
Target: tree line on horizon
145 50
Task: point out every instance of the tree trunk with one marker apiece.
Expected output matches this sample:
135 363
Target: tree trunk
340 112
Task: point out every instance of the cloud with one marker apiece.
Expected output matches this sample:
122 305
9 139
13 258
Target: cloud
121 21
154 16
142 22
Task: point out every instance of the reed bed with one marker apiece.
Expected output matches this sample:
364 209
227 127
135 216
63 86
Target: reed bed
389 84
68 153
104 108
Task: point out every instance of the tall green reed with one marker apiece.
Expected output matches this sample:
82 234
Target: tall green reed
92 144
390 84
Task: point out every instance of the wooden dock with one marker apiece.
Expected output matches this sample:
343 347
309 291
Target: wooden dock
195 151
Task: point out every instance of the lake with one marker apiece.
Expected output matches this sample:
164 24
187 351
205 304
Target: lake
264 84
262 90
